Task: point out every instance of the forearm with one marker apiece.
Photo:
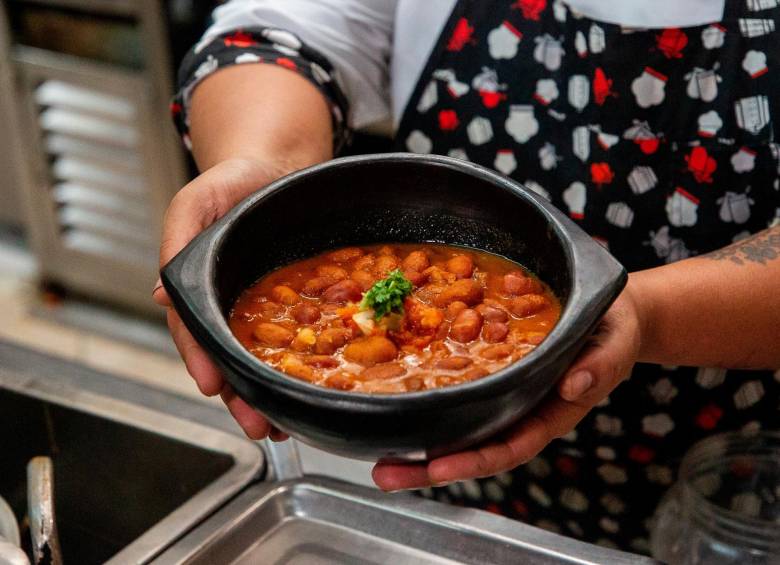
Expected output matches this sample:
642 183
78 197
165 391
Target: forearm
259 112
719 310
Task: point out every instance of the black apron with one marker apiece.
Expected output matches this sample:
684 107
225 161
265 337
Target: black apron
660 144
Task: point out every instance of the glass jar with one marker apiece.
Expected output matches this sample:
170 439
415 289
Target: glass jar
725 507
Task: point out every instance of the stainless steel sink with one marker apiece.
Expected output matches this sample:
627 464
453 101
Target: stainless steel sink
319 521
134 468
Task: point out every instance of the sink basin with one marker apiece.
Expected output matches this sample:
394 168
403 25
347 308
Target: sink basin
320 521
131 474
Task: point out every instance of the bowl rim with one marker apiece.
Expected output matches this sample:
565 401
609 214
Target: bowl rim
252 369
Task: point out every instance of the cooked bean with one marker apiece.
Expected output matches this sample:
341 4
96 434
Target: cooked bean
364 263
316 286
492 313
385 264
495 332
365 279
331 339
414 277
386 250
383 371
443 331
465 290
300 371
305 313
370 350
445 380
332 272
416 261
466 326
461 266
413 384
346 254
527 305
304 340
455 363
438 275
518 283
344 291
321 361
272 335
270 310
496 351
455 308
285 295
341 382
475 373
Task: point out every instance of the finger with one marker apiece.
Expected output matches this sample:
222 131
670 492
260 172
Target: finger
277 435
199 366
600 368
553 419
190 212
160 296
253 423
392 477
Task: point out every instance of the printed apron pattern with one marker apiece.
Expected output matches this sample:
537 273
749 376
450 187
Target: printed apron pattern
660 144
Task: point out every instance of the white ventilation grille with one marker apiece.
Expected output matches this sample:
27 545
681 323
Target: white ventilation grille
98 183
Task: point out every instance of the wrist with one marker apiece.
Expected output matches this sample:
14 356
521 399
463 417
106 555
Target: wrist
639 292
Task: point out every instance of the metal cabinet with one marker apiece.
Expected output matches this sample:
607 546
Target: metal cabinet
90 81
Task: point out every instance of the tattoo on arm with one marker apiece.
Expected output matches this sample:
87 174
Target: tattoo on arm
758 248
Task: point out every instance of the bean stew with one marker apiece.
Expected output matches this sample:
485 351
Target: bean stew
395 318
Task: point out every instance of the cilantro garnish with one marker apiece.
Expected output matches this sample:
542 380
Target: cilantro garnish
387 295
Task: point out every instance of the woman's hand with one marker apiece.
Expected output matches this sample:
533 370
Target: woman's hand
603 364
193 209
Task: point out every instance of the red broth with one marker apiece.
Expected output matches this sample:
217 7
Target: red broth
470 313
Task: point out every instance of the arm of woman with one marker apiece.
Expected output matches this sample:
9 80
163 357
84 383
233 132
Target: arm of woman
717 310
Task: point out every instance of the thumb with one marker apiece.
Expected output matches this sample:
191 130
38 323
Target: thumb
605 362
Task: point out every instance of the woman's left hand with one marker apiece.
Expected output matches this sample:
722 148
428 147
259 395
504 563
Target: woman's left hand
603 364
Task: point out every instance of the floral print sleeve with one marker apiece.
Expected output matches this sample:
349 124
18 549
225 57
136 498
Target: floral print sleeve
259 45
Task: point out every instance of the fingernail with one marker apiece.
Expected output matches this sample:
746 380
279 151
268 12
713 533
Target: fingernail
442 484
578 384
157 286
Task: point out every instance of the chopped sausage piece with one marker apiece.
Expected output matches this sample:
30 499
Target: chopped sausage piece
517 283
455 308
305 313
423 319
527 305
330 340
346 254
496 351
272 335
466 326
466 290
344 291
321 361
316 286
416 261
495 332
384 264
383 371
492 313
365 279
285 295
369 351
461 266
331 272
455 363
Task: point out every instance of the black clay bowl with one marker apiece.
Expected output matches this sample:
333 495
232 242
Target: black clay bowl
391 198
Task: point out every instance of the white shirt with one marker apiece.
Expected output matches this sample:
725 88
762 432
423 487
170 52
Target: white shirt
380 47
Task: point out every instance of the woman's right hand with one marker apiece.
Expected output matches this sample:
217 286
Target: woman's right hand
196 206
